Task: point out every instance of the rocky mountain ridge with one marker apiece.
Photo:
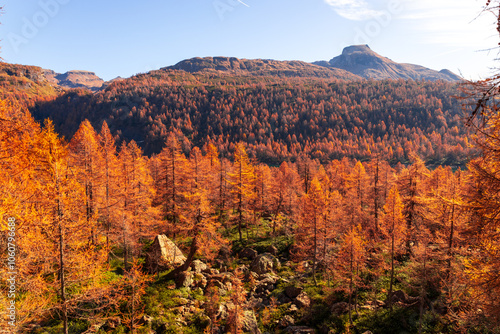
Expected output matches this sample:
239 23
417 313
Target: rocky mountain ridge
355 63
364 62
260 67
75 79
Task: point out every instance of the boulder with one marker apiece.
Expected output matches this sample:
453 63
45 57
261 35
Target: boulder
400 297
302 300
146 320
250 324
286 321
272 250
264 264
255 303
184 280
293 291
198 266
163 254
248 253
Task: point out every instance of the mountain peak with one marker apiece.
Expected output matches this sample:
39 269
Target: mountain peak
362 48
364 62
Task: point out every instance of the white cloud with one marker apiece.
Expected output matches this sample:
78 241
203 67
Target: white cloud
357 10
451 22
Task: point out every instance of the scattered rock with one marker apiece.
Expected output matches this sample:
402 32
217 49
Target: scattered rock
210 271
293 291
368 332
299 330
293 308
198 266
255 303
163 254
184 280
284 299
400 297
112 323
339 308
182 301
146 320
250 324
302 300
200 281
248 253
286 321
272 250
264 263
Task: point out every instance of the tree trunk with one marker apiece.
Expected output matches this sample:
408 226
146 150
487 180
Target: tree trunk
185 266
389 296
132 311
315 255
62 281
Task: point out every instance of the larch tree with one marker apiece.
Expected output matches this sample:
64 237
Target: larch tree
395 229
79 264
86 159
137 216
484 194
108 203
308 236
412 183
242 179
354 204
172 164
350 261
197 214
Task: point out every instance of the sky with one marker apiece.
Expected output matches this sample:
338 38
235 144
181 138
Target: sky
123 37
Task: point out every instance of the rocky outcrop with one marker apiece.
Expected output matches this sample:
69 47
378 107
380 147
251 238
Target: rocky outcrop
163 254
264 264
75 79
250 324
364 62
260 67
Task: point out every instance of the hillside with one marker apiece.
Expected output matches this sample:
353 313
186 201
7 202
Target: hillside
260 67
75 79
362 61
278 118
25 84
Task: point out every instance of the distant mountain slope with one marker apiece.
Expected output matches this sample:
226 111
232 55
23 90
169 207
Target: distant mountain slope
278 118
25 84
362 61
261 67
75 79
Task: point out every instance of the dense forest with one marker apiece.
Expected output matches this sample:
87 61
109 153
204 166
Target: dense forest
279 119
342 246
172 202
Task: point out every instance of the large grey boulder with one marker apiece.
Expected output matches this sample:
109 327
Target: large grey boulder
264 264
250 324
163 254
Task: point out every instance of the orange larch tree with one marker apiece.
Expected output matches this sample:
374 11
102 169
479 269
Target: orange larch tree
393 226
242 179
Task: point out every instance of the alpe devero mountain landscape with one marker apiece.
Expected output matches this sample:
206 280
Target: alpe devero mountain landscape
226 195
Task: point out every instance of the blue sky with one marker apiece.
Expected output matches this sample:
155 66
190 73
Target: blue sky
121 38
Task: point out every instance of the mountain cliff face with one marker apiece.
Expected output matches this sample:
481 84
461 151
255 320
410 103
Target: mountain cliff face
75 79
362 61
261 67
